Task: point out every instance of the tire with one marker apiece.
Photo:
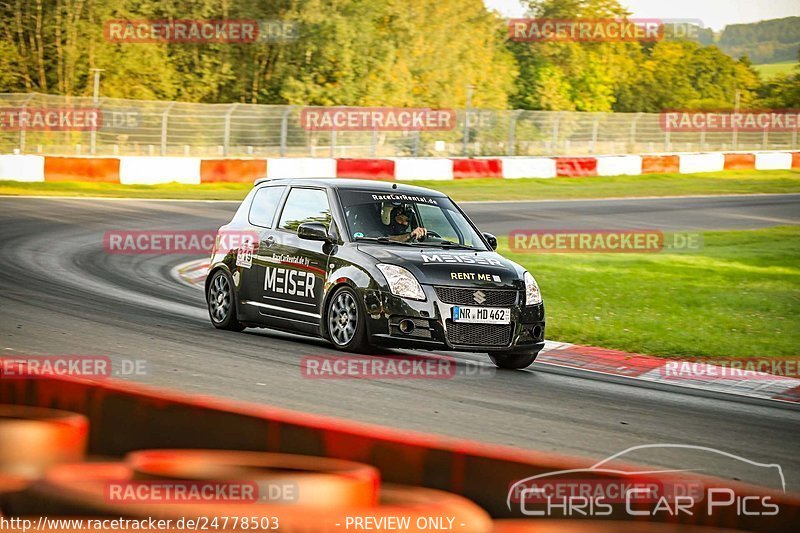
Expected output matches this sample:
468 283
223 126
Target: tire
345 321
513 361
220 297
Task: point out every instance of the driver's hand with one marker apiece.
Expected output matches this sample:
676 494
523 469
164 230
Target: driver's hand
418 233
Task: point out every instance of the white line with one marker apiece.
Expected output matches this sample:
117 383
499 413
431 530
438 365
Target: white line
276 308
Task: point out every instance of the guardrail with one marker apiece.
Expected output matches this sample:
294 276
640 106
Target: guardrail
194 170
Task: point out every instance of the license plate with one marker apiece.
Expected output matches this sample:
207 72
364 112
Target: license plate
481 315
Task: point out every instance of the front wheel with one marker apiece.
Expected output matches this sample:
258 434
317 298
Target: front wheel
346 323
512 361
221 304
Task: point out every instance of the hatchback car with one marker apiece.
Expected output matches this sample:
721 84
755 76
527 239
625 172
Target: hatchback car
369 264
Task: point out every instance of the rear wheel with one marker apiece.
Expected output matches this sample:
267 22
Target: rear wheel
345 321
512 361
221 304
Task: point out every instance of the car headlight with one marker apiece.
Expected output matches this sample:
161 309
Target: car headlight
532 294
402 282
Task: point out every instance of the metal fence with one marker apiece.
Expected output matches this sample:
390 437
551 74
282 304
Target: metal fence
140 127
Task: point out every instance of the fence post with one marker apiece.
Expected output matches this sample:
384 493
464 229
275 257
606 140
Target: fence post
333 142
555 133
595 127
416 142
373 149
512 132
285 129
633 131
765 140
22 128
164 128
226 137
93 133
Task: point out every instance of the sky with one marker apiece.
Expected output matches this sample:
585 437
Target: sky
714 14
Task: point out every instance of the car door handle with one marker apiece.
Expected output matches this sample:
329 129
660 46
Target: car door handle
270 241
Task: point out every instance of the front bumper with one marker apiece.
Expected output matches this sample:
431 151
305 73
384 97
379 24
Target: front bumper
435 330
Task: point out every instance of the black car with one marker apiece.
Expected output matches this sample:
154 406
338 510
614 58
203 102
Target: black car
367 264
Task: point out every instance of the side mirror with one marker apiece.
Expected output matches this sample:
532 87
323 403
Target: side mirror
313 231
491 239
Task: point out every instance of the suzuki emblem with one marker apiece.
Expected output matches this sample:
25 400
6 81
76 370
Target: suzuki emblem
479 297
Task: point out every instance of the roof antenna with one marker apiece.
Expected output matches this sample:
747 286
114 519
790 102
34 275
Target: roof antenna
394 185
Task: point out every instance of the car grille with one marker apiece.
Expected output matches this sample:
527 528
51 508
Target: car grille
490 297
479 334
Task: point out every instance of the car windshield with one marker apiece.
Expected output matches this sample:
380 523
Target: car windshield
408 218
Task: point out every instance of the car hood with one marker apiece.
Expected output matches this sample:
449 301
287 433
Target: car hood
458 268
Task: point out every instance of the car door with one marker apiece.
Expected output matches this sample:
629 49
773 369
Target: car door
261 218
295 269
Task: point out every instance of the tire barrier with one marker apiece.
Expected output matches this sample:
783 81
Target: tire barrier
32 439
150 170
315 480
127 417
87 490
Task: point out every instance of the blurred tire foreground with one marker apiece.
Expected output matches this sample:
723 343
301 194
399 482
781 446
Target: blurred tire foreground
339 470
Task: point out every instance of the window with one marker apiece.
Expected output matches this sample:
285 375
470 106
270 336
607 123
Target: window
265 203
305 205
392 215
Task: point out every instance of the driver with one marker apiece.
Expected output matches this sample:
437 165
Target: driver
400 224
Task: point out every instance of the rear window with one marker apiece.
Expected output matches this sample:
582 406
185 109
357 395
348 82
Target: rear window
265 203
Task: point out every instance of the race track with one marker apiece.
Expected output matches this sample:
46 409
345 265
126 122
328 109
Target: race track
60 293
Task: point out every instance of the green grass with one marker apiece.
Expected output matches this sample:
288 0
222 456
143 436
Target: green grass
738 296
729 182
770 70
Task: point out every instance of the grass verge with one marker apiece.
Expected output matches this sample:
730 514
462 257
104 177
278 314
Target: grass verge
729 182
738 296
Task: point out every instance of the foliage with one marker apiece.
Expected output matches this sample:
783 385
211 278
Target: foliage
412 53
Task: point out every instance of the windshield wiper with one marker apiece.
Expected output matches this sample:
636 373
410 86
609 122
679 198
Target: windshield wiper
383 240
451 244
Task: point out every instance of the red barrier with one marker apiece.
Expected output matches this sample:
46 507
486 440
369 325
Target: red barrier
576 166
740 161
795 159
660 164
477 168
365 169
232 170
92 169
126 417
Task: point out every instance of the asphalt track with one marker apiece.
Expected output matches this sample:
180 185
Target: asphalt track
60 293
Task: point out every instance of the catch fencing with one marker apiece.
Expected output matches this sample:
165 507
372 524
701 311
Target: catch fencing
140 127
